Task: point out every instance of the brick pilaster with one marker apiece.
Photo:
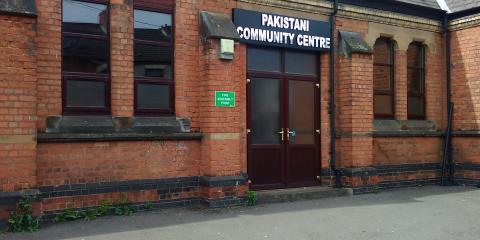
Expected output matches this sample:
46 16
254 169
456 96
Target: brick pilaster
121 42
401 85
18 108
224 127
355 104
49 59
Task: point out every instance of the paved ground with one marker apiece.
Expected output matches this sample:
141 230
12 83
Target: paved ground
425 213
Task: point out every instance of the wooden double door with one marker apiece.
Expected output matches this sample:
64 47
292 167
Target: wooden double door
283 118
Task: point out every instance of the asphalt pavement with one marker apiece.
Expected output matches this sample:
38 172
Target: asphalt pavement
421 213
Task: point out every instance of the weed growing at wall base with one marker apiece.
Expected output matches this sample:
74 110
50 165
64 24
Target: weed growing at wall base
22 220
250 198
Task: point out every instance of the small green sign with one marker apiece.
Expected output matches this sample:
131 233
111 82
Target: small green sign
224 99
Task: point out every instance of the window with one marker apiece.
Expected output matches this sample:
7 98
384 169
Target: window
154 86
383 75
416 81
85 57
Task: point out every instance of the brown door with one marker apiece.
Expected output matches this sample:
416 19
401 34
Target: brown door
282 118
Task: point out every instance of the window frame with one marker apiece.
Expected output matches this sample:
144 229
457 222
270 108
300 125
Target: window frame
82 76
390 92
166 7
420 68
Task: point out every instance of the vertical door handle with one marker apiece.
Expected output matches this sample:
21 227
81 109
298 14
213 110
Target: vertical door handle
288 134
282 134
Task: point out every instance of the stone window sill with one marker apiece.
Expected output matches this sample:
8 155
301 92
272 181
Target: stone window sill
108 128
103 137
405 128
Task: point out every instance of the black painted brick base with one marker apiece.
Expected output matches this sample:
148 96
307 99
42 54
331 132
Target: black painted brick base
223 202
3 225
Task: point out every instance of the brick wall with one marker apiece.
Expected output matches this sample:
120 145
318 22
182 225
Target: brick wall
436 83
405 150
75 163
49 84
465 81
121 41
466 97
18 98
400 85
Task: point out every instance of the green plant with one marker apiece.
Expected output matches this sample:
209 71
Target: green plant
22 220
123 207
104 208
375 189
148 206
90 214
68 215
250 198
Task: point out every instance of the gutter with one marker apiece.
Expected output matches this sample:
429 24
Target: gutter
336 172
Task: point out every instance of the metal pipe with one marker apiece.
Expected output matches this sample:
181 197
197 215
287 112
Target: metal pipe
450 104
447 158
333 168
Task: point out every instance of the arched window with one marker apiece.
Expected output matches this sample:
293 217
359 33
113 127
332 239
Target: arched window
383 79
416 81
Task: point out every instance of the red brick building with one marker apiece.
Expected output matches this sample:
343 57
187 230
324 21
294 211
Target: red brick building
188 102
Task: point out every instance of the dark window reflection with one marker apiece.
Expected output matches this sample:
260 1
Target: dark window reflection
153 26
383 75
265 113
416 81
261 59
153 61
301 63
152 96
85 55
84 17
85 93
382 51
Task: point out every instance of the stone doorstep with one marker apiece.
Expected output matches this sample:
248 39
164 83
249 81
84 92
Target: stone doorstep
300 194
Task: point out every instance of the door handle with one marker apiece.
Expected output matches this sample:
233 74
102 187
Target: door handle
288 134
282 134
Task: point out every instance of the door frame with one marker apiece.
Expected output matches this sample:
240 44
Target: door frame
284 80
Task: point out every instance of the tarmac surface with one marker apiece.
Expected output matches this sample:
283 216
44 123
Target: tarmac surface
422 213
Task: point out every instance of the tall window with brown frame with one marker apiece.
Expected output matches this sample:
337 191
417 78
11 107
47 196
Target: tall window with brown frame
85 57
416 81
383 79
153 50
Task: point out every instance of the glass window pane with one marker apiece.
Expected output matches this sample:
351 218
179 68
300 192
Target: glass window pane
85 93
301 63
382 53
85 55
415 81
265 110
383 104
416 107
153 96
301 109
84 17
381 78
414 55
262 59
153 26
153 61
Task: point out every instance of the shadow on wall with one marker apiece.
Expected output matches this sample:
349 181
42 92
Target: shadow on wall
466 79
466 93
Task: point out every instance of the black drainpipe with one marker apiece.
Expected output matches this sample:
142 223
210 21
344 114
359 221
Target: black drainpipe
449 96
333 168
447 154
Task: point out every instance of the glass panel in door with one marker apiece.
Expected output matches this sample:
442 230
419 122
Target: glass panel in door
301 114
265 111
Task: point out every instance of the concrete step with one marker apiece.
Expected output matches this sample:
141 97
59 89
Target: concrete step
300 194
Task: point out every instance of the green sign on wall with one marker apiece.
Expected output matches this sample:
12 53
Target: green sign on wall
224 99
